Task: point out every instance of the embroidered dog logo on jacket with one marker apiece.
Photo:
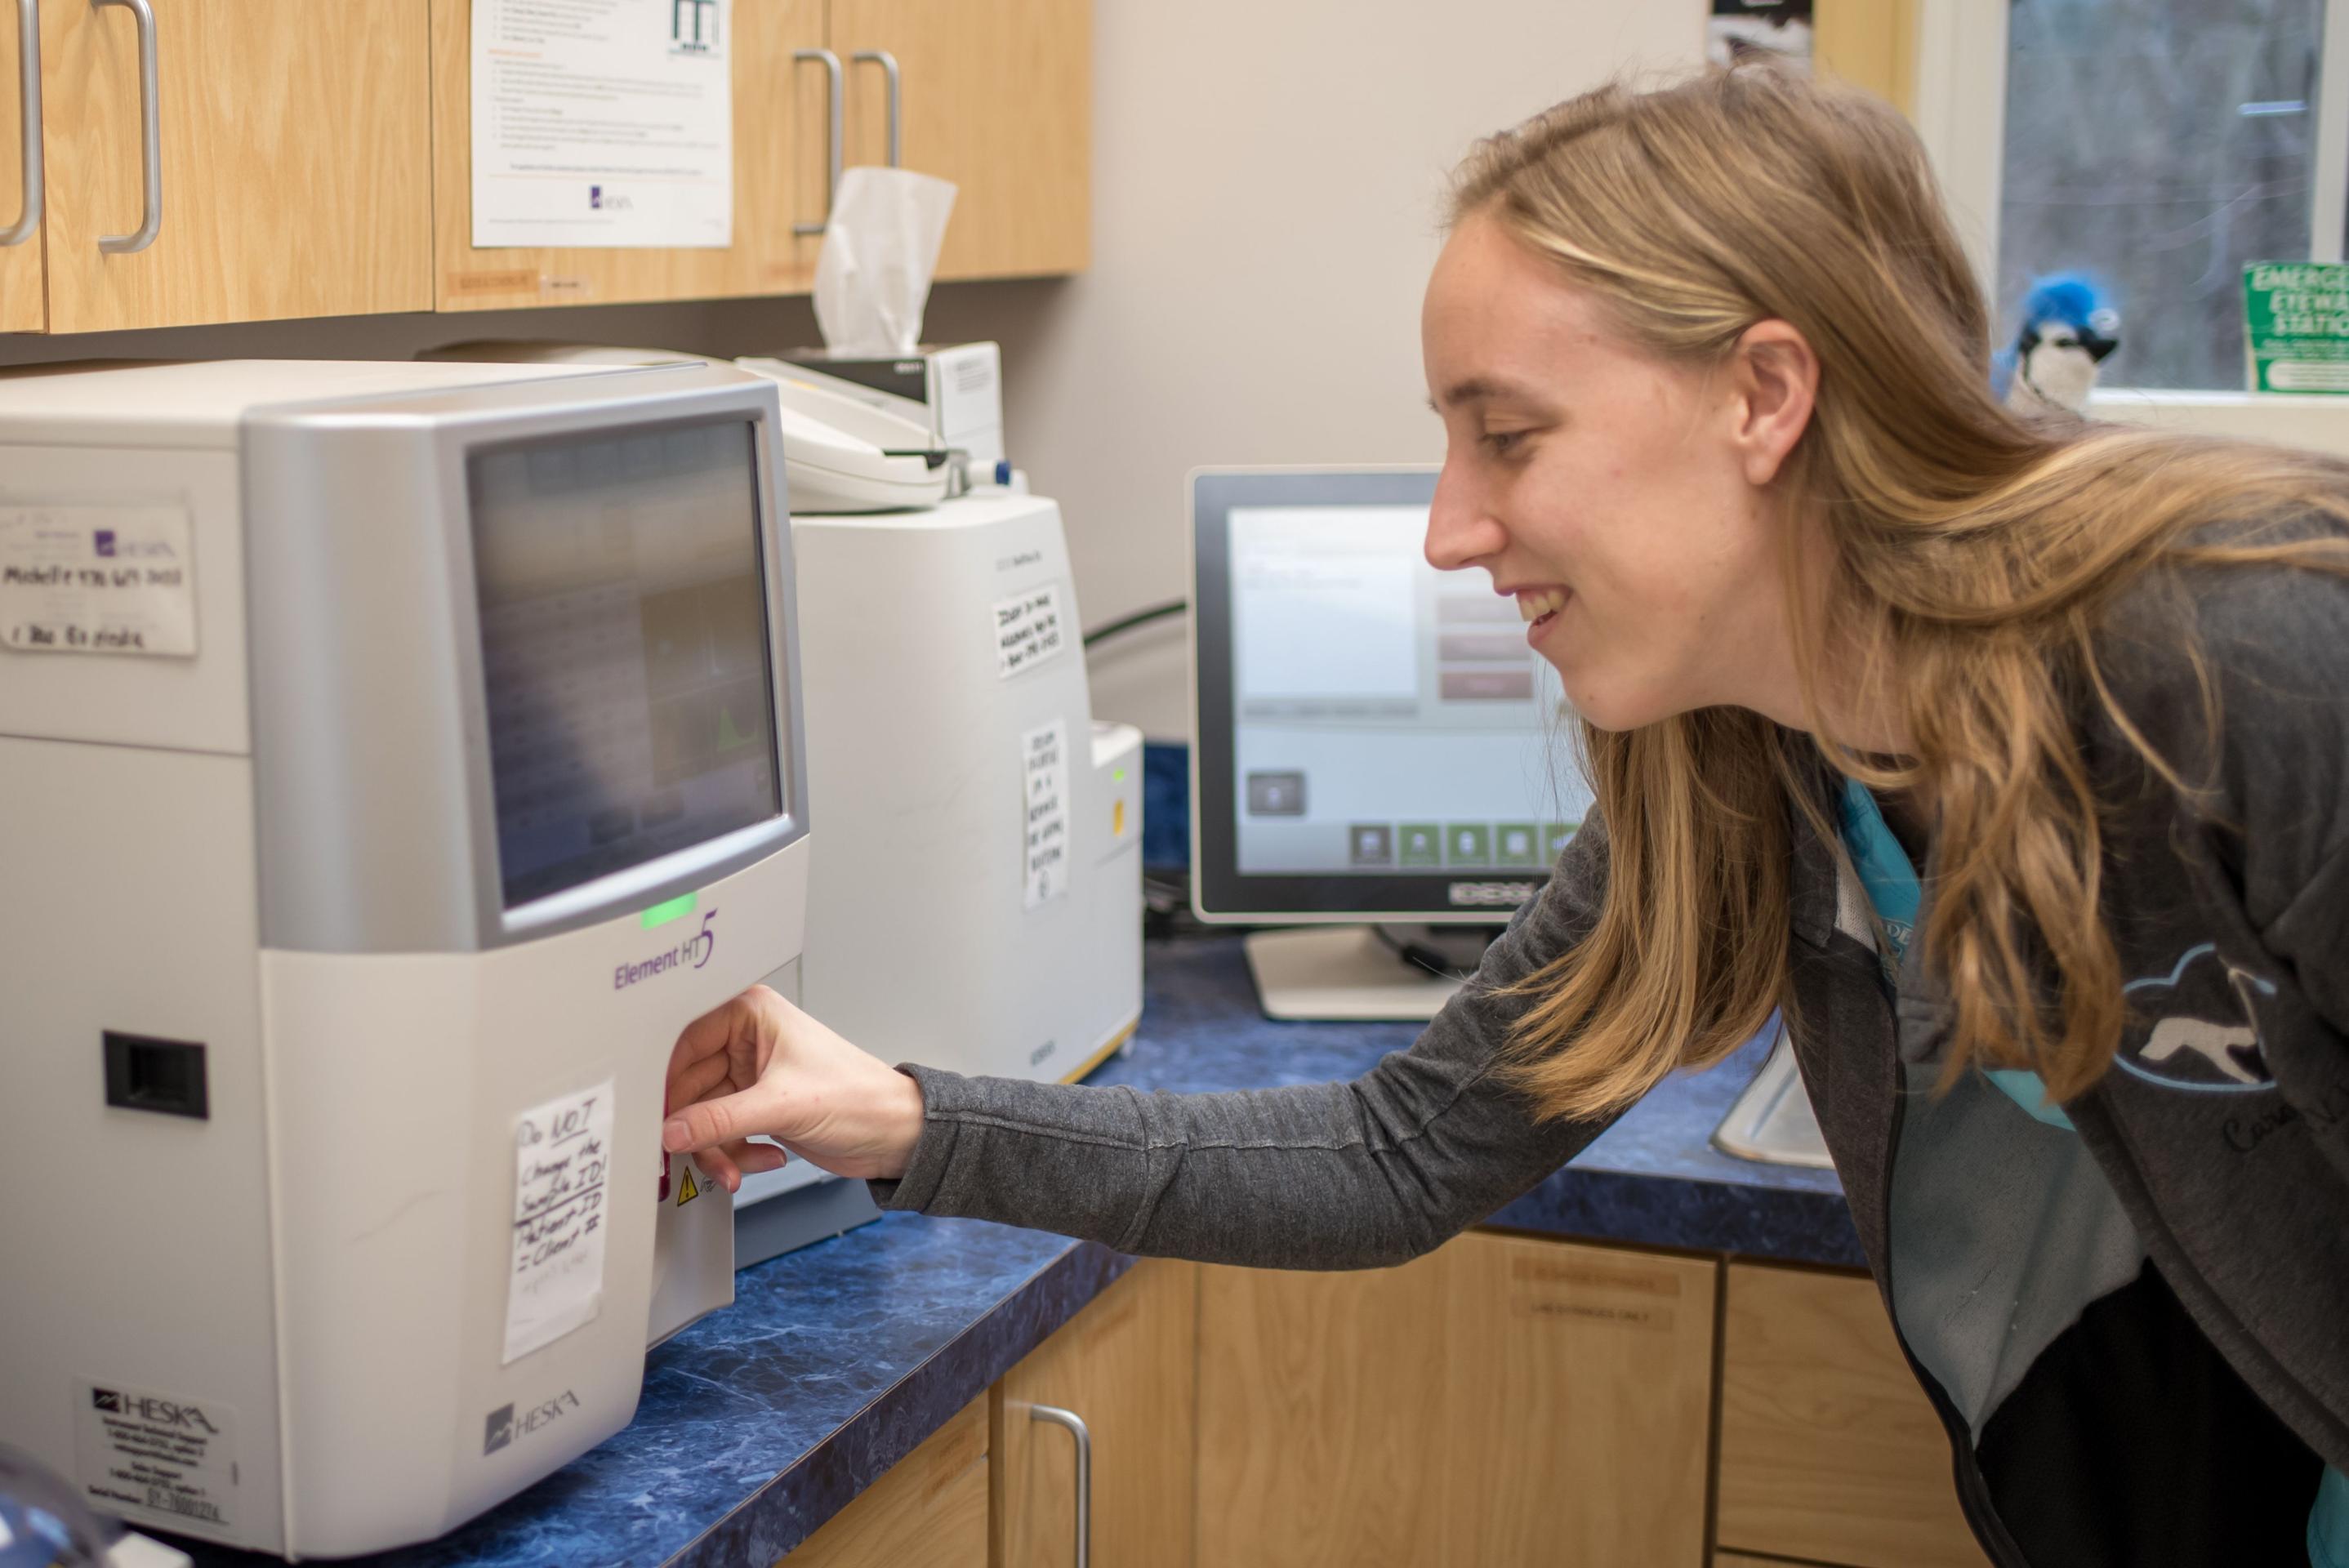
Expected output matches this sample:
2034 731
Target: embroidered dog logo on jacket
2206 1032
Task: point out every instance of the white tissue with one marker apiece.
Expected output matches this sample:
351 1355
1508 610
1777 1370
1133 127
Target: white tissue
880 252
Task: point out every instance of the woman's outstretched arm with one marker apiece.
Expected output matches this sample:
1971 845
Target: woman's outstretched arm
1339 1175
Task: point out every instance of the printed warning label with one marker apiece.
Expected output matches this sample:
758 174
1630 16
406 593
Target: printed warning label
686 1191
164 1457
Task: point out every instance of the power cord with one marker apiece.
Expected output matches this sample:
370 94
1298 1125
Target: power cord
1125 624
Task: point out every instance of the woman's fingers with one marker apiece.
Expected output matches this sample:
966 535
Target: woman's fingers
729 1165
724 1120
719 1168
694 1079
732 1040
758 1158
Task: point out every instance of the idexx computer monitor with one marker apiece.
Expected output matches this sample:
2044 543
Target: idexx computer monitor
1374 740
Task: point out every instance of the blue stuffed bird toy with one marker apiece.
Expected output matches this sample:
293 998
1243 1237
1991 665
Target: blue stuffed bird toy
2068 328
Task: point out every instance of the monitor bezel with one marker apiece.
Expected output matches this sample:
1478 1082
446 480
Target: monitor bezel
377 817
1220 892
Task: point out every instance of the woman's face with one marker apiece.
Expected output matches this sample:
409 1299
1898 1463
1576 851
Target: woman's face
1620 498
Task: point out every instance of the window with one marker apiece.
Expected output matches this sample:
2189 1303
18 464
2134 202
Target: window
2156 145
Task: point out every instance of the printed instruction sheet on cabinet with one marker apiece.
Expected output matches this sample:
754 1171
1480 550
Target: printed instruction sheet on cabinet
603 122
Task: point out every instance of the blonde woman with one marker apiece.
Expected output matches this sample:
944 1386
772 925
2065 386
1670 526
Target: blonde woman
2013 761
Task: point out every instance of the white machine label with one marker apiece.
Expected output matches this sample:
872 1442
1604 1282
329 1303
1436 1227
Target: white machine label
1029 630
170 1458
563 1152
603 122
97 579
1044 763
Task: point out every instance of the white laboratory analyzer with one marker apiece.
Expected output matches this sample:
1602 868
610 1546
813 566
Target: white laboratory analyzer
975 900
396 757
976 904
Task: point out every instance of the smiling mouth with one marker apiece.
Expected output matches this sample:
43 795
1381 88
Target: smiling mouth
1539 606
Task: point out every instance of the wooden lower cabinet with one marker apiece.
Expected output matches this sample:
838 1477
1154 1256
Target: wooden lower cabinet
931 1509
1125 1366
1500 1401
1503 1401
1829 1451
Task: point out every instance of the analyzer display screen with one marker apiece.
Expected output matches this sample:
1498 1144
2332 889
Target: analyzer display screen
624 649
1387 719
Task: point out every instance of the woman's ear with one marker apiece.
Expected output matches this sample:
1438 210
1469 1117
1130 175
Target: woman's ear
1775 377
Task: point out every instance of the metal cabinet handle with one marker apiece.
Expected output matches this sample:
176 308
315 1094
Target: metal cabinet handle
1076 1427
28 108
830 63
151 116
897 80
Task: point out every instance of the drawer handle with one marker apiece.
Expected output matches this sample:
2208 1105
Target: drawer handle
28 110
832 74
1076 1428
151 118
897 84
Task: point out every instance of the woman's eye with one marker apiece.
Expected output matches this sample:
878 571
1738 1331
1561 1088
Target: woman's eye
1501 443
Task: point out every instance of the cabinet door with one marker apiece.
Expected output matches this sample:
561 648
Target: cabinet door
1580 1409
1323 1417
24 307
930 1509
1829 1448
997 97
295 176
1502 1401
1124 1366
778 109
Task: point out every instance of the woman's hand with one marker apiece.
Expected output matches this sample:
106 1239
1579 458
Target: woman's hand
760 1066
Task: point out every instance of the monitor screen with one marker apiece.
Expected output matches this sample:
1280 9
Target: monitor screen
623 648
1378 732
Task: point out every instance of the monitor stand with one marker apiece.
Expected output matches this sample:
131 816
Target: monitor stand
1773 1122
1353 972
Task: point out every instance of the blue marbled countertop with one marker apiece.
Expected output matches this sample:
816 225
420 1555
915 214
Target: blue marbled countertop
760 1422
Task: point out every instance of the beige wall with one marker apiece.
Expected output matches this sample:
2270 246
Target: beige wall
1267 183
1267 180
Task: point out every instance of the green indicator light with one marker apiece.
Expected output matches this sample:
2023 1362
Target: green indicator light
675 909
1117 775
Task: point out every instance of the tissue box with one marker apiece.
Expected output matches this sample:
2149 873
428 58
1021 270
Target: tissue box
955 393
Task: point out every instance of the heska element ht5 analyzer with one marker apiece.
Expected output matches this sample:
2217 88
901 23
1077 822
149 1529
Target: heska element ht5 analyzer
396 757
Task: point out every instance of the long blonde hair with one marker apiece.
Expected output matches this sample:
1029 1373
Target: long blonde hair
1968 558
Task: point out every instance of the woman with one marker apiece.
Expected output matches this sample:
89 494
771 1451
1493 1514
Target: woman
1711 372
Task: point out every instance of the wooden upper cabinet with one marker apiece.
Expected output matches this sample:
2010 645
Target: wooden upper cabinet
24 307
779 151
997 97
294 178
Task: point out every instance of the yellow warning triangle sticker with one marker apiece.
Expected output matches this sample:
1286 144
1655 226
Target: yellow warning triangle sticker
687 1192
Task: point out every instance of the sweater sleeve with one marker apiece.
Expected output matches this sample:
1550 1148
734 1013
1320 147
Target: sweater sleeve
1317 1176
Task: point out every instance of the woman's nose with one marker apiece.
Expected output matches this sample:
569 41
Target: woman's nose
1461 528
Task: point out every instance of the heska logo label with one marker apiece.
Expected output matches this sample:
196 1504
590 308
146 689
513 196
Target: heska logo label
693 952
1490 894
157 1412
503 1426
